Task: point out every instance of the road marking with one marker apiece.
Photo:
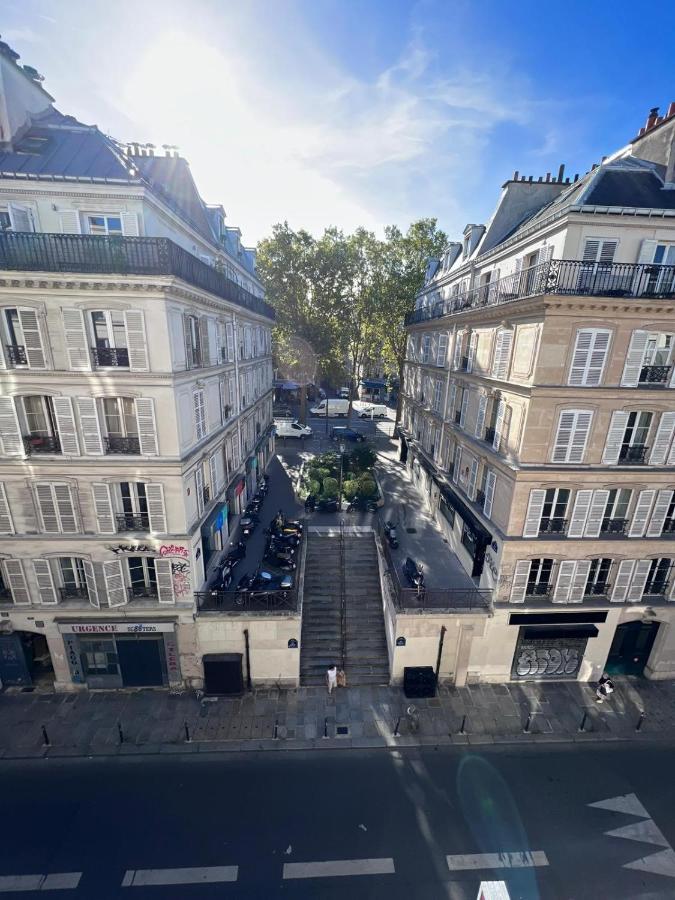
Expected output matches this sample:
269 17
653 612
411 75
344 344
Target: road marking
20 882
523 859
646 831
196 875
627 803
662 863
56 881
337 867
61 881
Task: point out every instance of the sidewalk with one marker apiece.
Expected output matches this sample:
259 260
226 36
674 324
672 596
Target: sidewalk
86 724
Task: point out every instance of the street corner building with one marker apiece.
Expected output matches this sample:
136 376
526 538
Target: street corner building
538 416
135 400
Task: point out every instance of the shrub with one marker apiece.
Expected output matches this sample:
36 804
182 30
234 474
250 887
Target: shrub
367 486
318 474
314 487
350 488
330 487
361 459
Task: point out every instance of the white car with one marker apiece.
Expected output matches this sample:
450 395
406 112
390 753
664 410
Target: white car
374 411
291 428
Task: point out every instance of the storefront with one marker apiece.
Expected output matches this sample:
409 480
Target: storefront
552 646
122 654
251 475
473 536
236 496
215 532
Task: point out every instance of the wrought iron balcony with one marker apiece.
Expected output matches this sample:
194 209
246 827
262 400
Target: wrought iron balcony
73 592
142 592
101 254
133 522
633 455
41 443
129 446
613 526
654 375
489 435
552 525
539 590
655 593
110 357
599 589
668 527
16 355
206 494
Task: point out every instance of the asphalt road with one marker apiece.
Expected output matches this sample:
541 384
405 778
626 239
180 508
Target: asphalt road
249 820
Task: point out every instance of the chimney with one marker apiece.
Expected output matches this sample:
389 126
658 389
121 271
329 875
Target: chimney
561 172
548 177
651 118
515 175
671 110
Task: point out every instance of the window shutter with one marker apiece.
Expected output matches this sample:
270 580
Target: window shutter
47 508
6 524
615 433
490 484
622 581
90 427
658 518
450 413
519 585
535 507
471 353
200 414
147 427
499 425
563 585
579 581
457 356
442 356
130 224
204 340
10 434
90 578
65 508
32 339
220 470
480 416
114 582
588 359
70 221
607 251
663 439
642 509
45 582
77 343
214 353
647 251
16 581
65 424
229 330
456 465
134 323
639 581
571 436
634 359
20 217
473 475
156 509
500 362
582 504
187 337
464 407
199 487
103 508
596 513
213 476
164 581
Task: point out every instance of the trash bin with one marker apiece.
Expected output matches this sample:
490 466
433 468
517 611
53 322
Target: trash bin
419 681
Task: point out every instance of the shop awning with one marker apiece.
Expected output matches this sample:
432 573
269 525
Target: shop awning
562 631
239 487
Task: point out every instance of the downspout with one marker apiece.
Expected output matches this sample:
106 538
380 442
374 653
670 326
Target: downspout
248 660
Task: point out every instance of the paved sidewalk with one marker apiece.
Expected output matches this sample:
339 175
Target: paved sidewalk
86 724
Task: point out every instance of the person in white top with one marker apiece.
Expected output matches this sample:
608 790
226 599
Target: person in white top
331 678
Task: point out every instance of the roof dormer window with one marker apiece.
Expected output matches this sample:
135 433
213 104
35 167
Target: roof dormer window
109 225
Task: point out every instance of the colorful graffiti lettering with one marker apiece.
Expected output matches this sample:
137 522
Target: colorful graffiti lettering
173 550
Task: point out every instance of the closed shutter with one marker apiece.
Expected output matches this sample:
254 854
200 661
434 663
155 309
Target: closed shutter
154 494
480 415
199 487
164 581
457 355
90 427
519 585
500 363
571 436
663 439
45 581
10 434
90 578
641 515
130 224
200 414
229 329
147 426
634 359
601 251
204 340
103 508
20 217
622 581
65 424
77 343
211 331
563 585
579 581
6 524
471 354
451 402
137 344
114 583
647 251
47 508
499 425
658 518
464 407
220 470
65 508
473 475
456 464
596 513
535 507
582 505
639 580
490 484
32 339
213 476
588 359
442 355
16 582
615 434
70 221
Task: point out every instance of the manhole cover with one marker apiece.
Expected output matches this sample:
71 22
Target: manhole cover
342 730
411 530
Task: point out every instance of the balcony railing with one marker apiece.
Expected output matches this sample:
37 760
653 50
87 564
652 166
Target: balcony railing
480 499
277 602
142 592
16 355
668 527
489 435
613 526
110 357
539 590
654 375
633 455
100 254
71 592
559 276
553 525
206 494
132 522
599 589
41 443
130 446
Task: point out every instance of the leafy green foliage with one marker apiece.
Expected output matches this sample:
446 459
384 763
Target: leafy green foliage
330 487
350 488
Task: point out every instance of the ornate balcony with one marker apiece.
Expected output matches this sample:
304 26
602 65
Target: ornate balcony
539 590
553 525
110 357
654 376
133 522
16 355
72 592
598 590
128 446
41 443
142 592
633 455
613 526
489 435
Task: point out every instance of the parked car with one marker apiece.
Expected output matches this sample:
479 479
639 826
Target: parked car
291 428
373 411
343 393
333 408
342 433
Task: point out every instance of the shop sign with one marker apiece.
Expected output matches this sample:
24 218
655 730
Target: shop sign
172 664
549 658
132 548
116 627
73 657
173 550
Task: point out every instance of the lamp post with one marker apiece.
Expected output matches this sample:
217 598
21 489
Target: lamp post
342 450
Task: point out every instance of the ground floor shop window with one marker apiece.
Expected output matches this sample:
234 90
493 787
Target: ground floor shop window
98 657
469 540
447 512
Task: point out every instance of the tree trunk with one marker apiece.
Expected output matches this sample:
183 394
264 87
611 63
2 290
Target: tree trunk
399 399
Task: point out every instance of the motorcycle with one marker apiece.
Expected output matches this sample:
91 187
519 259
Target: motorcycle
414 574
279 561
360 504
390 533
284 527
248 524
225 579
235 555
310 503
287 540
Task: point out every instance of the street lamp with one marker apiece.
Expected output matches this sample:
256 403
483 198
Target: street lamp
342 450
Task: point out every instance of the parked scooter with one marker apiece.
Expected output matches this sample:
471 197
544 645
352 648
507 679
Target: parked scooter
248 524
310 503
287 540
279 560
236 554
360 504
414 574
390 533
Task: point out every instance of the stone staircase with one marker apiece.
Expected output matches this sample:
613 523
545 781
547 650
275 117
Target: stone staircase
333 566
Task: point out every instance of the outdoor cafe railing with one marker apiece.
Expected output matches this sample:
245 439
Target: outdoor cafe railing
245 602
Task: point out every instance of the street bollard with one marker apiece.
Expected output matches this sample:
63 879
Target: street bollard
276 729
462 729
187 734
526 729
640 720
45 737
396 731
325 727
583 721
120 732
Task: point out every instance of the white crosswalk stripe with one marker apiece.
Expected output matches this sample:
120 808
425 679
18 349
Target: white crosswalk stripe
56 881
194 875
339 867
524 859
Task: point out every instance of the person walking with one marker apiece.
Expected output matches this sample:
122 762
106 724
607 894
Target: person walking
604 689
341 678
331 678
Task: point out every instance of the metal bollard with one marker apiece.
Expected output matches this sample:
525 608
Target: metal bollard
45 737
187 734
526 729
396 731
583 721
120 732
640 720
276 729
325 727
462 729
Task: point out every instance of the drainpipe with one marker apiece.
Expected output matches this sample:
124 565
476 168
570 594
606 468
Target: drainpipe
248 660
440 651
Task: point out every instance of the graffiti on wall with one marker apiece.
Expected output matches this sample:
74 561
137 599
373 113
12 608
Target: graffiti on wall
173 550
180 574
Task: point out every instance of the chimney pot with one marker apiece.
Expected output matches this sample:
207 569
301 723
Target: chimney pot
671 110
652 117
567 180
561 172
531 178
576 177
548 177
515 175
540 178
594 167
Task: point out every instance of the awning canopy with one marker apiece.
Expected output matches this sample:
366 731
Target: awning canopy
543 633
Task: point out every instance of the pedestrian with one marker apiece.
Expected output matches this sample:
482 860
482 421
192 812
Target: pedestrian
331 678
604 689
341 678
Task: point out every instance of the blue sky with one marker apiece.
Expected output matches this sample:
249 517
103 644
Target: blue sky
342 112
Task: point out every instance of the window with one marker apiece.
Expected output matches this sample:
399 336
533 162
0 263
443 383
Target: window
98 657
72 578
572 435
200 414
616 511
659 281
426 347
539 578
657 579
110 225
110 338
438 386
134 506
22 338
598 577
554 510
469 540
39 415
502 355
633 444
121 425
588 359
192 346
5 221
142 576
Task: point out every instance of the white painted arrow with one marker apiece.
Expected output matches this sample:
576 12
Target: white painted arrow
646 831
627 803
662 863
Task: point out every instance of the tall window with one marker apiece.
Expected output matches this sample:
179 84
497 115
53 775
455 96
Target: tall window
121 425
39 416
633 445
104 224
598 577
134 505
192 342
142 576
539 579
110 338
616 511
73 581
553 513
657 580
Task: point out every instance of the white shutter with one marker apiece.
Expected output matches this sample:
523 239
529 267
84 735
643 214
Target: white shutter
45 581
499 425
229 329
47 508
214 352
20 217
164 581
571 436
582 504
500 362
519 584
103 508
137 344
464 407
442 355
480 415
199 487
579 581
473 475
663 439
10 433
588 359
114 583
92 587
642 509
65 424
199 414
658 518
457 355
130 224
147 426
622 580
535 507
639 580
220 470
202 331
615 433
597 250
213 476
563 585
65 508
16 581
6 524
154 494
580 437
456 465
596 513
450 413
647 251
90 427
471 353
490 484
32 339
77 343
607 251
70 221
634 359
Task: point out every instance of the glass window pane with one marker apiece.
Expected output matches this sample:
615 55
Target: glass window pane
113 422
119 331
35 415
96 224
129 409
114 225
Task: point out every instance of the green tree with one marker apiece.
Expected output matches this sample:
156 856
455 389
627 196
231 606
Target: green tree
330 487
